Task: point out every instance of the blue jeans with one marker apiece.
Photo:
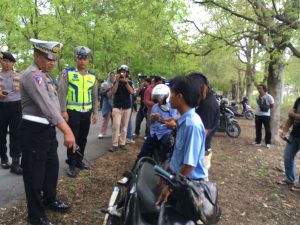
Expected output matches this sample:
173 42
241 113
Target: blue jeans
290 152
129 129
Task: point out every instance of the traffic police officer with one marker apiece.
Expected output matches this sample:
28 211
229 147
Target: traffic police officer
41 114
10 111
78 97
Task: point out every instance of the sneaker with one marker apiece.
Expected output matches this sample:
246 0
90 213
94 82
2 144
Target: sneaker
5 164
130 141
256 144
268 146
113 149
71 172
123 147
100 136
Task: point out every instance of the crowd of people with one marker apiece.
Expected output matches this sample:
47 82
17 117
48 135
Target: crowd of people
32 106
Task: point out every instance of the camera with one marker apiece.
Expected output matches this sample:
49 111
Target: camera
122 75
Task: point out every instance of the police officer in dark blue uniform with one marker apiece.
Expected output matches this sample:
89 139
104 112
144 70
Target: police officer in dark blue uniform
41 114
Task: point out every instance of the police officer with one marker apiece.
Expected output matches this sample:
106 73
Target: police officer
78 96
41 114
10 111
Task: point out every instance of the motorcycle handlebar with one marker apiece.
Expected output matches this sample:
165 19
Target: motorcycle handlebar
163 173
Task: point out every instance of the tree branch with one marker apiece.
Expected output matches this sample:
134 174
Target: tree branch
295 51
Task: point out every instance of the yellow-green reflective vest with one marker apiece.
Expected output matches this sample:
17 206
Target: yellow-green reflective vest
80 90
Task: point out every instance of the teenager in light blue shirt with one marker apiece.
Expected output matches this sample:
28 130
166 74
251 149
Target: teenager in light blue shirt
159 134
189 149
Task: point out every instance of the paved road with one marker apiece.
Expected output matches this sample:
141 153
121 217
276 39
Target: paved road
11 185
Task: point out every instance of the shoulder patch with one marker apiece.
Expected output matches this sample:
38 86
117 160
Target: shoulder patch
91 72
38 79
70 69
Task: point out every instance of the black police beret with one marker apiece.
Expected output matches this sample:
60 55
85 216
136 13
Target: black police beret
8 56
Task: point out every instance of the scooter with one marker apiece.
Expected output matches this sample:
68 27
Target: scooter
227 122
137 206
246 112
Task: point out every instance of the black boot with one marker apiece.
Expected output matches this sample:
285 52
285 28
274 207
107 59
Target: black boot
15 167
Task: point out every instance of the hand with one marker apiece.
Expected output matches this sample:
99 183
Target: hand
283 134
94 118
170 123
2 96
69 141
164 195
65 116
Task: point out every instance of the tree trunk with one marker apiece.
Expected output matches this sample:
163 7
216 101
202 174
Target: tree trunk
249 75
275 71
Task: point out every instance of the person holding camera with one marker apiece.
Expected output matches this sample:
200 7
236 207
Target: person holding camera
122 90
262 115
10 111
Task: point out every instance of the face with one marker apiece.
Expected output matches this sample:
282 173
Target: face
44 64
112 77
6 64
260 90
174 100
82 63
124 73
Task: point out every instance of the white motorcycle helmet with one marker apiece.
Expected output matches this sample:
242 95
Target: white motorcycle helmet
160 92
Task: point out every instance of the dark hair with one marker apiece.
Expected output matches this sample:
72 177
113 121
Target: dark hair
264 87
148 80
184 85
199 79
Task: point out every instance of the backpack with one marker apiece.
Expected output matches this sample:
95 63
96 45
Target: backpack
262 103
197 200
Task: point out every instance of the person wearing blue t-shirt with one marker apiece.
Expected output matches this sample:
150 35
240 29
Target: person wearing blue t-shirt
189 149
159 134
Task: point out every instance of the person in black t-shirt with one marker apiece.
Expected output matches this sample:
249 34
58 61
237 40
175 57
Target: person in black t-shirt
292 146
122 89
208 110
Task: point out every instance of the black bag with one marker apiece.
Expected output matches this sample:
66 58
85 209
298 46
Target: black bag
197 200
262 103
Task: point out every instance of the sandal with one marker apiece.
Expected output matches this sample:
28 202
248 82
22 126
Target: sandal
285 182
295 188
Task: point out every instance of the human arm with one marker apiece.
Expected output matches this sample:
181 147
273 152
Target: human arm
62 95
94 104
69 139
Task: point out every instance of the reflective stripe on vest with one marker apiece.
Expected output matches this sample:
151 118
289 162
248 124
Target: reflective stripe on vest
80 91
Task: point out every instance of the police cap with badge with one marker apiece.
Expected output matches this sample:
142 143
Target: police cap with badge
49 49
8 56
82 52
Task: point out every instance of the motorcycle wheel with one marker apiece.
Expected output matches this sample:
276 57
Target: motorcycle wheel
249 115
233 130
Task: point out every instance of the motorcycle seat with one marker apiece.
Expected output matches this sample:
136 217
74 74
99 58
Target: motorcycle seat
148 189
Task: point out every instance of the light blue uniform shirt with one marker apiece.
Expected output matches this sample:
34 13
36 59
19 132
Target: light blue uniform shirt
189 147
156 128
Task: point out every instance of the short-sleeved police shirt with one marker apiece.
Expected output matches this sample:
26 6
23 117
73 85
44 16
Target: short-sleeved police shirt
39 96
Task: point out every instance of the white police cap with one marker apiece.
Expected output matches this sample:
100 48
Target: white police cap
51 49
82 51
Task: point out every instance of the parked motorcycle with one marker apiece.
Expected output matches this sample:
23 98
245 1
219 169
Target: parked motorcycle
227 122
246 112
137 205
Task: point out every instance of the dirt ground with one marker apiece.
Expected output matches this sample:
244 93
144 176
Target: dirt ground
246 176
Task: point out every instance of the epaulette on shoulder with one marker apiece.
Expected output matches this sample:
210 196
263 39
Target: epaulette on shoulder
91 72
70 69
